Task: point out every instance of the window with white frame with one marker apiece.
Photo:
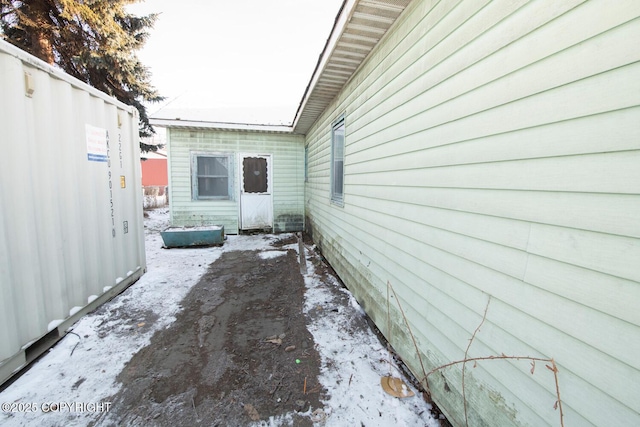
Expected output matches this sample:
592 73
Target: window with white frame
337 161
212 176
306 163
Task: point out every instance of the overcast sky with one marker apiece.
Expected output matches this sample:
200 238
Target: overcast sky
240 60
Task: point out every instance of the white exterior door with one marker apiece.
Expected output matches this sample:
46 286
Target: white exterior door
256 191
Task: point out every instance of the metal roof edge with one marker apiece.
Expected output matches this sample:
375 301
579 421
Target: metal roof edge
343 16
200 124
359 28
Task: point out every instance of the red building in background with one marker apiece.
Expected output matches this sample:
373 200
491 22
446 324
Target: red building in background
154 169
154 178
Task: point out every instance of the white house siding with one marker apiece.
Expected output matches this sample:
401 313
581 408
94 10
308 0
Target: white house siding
288 176
493 157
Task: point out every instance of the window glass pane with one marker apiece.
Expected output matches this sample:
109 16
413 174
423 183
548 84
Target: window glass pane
337 161
338 143
306 163
211 177
213 187
213 166
338 176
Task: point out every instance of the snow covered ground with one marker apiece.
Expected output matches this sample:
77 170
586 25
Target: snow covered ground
73 382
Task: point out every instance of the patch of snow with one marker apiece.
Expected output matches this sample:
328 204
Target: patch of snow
293 246
282 420
272 254
355 304
252 242
92 298
194 228
54 324
84 365
27 345
73 311
352 368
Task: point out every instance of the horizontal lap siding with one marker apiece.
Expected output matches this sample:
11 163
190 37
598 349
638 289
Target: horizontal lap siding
288 198
287 153
492 153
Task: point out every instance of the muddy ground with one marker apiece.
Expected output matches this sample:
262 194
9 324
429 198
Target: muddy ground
238 352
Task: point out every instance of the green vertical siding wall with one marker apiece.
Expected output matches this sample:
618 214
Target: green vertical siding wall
493 160
288 176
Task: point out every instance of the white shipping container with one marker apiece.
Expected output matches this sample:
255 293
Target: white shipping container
71 226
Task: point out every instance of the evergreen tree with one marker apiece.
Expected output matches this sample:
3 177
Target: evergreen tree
93 40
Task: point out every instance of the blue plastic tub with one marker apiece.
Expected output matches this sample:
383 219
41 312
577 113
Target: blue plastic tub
183 237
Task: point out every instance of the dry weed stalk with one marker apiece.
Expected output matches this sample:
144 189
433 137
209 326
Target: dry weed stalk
552 367
406 322
464 364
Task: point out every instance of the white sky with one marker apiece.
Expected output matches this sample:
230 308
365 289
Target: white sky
240 60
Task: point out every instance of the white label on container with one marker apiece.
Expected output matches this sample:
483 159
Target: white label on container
96 144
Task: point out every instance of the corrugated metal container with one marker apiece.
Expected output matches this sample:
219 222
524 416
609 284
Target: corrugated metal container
71 230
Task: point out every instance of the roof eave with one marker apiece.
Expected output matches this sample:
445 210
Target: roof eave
357 30
198 124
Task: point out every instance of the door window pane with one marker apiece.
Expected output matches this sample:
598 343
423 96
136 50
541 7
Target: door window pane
255 175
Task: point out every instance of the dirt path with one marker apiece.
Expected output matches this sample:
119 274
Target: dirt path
228 359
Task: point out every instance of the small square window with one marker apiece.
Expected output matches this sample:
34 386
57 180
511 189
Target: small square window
212 176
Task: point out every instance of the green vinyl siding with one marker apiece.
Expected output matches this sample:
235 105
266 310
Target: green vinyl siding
491 157
288 176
